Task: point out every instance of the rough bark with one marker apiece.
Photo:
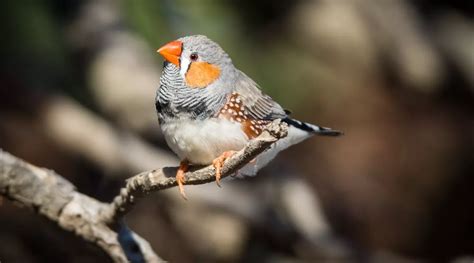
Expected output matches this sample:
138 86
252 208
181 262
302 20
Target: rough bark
52 196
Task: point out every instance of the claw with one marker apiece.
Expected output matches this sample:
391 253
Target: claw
218 163
183 168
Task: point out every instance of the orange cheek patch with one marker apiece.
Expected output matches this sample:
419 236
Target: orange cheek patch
201 74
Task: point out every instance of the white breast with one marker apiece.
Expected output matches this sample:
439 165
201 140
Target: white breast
200 142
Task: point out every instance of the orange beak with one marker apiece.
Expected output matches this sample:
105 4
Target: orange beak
171 51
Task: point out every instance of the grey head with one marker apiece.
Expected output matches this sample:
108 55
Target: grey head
197 77
207 51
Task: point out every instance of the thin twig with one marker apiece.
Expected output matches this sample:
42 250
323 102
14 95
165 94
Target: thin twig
155 180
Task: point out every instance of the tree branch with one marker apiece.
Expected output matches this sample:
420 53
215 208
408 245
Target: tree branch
150 181
54 197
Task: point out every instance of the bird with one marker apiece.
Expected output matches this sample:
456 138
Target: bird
208 109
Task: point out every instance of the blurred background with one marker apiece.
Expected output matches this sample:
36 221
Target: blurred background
77 87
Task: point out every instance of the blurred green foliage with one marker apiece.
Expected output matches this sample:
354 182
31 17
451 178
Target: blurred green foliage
276 64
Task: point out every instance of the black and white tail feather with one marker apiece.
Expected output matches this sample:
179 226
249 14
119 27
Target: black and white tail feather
323 131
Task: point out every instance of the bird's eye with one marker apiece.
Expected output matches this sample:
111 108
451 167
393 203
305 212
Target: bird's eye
194 56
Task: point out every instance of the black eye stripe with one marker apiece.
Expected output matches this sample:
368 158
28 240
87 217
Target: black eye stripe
189 66
193 57
182 48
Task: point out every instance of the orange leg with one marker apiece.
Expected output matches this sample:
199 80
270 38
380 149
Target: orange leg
218 163
183 168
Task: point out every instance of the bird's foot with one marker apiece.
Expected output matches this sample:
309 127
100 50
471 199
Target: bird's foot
218 163
183 168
